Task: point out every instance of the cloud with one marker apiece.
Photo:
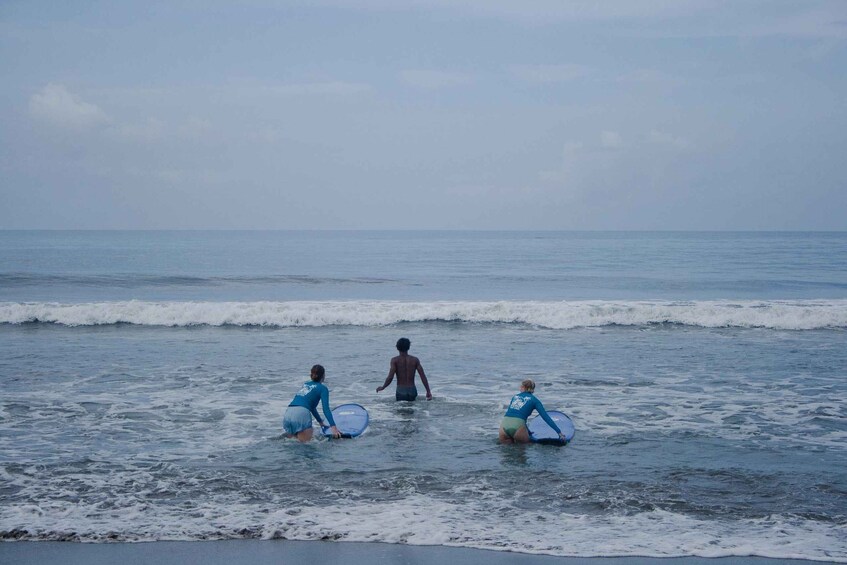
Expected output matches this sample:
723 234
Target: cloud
536 11
570 153
649 76
827 20
650 161
611 139
195 128
668 139
156 130
266 135
655 18
434 80
56 105
329 88
150 130
548 74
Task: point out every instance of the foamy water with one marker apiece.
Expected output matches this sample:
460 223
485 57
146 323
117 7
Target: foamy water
781 315
711 411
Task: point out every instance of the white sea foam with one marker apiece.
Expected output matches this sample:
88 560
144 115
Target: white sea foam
483 521
781 315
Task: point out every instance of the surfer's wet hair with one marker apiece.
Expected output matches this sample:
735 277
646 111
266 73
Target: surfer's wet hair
318 373
529 385
403 344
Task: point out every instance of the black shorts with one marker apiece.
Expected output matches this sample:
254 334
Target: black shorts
408 393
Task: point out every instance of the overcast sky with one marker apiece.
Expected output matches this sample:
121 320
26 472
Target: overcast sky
459 114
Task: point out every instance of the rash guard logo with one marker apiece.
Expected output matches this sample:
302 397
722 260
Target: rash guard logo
517 403
307 388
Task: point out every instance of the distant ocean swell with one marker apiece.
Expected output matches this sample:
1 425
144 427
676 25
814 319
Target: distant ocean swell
779 315
133 281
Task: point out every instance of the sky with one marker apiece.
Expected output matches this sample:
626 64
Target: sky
391 114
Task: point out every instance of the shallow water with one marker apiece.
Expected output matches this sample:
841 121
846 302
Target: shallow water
707 424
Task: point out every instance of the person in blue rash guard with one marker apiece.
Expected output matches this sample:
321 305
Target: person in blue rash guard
298 417
513 428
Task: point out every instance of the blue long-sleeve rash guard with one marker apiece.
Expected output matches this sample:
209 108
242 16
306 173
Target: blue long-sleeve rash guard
522 405
309 396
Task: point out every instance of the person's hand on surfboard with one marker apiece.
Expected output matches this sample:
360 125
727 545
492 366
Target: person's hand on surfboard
333 430
429 395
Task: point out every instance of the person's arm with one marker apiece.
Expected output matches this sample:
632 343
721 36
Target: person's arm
317 416
391 372
328 412
424 381
543 413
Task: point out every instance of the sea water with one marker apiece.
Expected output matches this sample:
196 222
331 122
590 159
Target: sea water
144 376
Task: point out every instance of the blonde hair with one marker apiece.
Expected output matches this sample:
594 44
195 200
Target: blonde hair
529 385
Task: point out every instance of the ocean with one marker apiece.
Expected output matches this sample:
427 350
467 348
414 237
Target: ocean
144 377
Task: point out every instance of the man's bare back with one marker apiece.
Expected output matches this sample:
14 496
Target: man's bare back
404 367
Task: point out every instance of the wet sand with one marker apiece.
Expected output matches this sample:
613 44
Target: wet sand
246 552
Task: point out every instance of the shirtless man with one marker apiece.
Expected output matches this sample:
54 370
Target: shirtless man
404 366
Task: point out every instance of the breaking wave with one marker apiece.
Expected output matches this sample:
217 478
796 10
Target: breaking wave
780 315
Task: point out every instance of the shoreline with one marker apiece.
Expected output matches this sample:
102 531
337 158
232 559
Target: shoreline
296 551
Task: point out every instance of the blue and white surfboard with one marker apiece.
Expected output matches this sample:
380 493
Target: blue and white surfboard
350 419
540 432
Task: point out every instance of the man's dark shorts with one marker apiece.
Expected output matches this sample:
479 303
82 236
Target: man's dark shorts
408 393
